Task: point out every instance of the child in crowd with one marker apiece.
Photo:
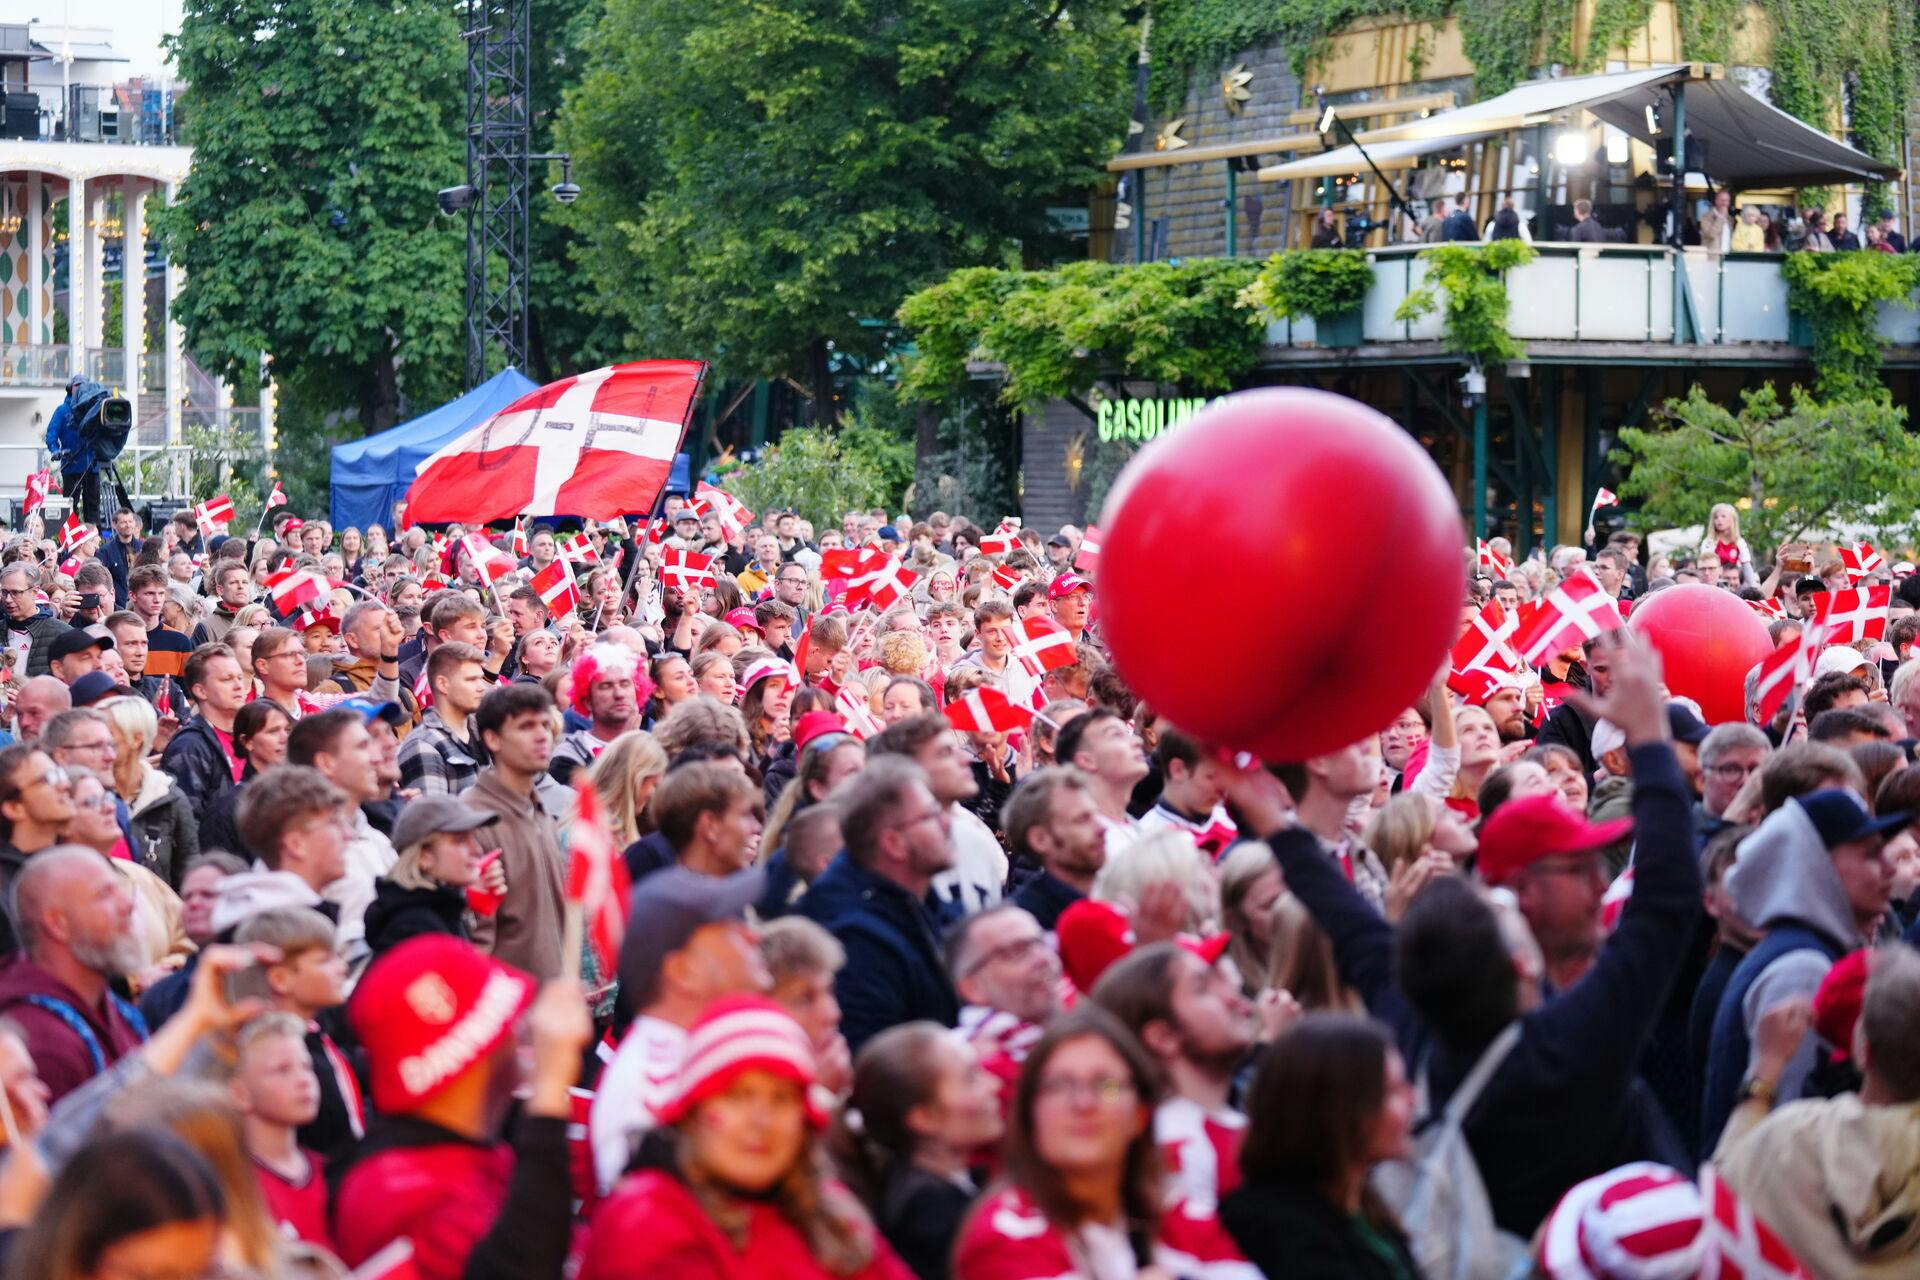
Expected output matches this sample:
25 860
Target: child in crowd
309 982
276 1092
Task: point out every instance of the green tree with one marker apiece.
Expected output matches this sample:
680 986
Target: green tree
763 184
308 226
822 474
1795 469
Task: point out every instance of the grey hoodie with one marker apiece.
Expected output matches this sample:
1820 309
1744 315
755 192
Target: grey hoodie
1782 872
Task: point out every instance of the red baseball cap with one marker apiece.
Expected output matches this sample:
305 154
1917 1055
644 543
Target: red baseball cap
427 1011
743 619
1523 832
816 724
1066 584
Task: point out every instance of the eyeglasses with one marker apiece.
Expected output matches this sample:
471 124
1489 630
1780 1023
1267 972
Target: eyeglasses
55 777
1018 949
1730 771
929 815
16 592
1103 1091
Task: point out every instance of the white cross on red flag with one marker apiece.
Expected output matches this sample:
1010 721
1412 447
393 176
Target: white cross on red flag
1786 669
214 514
519 544
1041 645
73 533
998 544
1486 645
597 444
291 588
857 712
1861 560
278 498
39 484
1087 558
489 561
1768 608
731 512
579 549
687 570
883 587
987 710
1005 577
596 877
1492 561
556 587
1853 615
1572 613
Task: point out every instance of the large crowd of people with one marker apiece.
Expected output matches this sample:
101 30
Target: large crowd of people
944 955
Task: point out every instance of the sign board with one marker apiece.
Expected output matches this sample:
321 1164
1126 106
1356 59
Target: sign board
1143 419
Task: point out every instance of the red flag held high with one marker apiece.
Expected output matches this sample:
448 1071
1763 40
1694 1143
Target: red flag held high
1853 615
1087 559
1573 612
597 444
987 710
556 587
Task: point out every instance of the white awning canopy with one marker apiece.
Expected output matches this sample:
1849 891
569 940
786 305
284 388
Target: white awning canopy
1748 142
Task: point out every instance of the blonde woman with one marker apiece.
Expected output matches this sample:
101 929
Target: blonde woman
1724 543
158 812
1159 858
1250 884
1303 965
625 776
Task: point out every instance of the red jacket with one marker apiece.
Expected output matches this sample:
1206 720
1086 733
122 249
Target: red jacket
443 1197
651 1228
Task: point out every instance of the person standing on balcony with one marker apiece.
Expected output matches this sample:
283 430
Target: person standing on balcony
1459 226
1716 224
1842 237
1586 230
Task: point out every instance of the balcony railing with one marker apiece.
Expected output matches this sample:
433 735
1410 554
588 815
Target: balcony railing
1604 294
91 113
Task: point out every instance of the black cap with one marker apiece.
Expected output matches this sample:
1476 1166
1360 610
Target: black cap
79 640
95 686
1059 540
1684 725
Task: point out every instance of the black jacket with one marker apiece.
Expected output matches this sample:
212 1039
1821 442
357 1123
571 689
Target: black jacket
198 764
220 820
1573 1073
1294 1234
168 836
920 1215
118 559
894 972
1571 728
396 914
41 629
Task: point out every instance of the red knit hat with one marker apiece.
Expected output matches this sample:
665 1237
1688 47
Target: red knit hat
1092 935
1836 1005
735 1035
1525 831
427 1011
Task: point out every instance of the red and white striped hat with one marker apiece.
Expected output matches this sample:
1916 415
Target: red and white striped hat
736 1035
1642 1221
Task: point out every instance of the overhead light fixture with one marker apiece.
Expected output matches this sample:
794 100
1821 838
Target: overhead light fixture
1572 148
1326 120
1617 146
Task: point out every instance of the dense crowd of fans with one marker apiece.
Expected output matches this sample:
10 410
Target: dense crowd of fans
1545 977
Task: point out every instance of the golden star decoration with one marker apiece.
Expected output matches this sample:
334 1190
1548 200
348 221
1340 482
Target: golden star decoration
1233 88
1169 138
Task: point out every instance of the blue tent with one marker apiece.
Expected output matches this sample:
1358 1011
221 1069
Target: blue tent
370 475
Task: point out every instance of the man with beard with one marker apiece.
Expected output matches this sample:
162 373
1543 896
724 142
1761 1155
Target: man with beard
1507 704
1190 1015
1053 823
76 933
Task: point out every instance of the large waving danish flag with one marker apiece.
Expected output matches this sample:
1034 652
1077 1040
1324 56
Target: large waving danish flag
597 444
1573 612
1786 669
1862 561
1853 615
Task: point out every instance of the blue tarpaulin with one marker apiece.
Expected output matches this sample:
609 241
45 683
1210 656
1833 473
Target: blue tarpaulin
370 475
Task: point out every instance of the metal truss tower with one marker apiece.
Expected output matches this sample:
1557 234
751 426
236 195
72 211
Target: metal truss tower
498 144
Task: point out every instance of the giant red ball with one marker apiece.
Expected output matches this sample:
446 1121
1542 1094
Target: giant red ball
1708 639
1282 574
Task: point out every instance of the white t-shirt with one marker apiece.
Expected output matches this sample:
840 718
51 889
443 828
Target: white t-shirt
632 1090
978 876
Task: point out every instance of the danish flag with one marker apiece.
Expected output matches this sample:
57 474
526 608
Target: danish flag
1575 611
883 588
214 514
291 588
278 498
987 710
519 544
1602 498
1786 669
596 877
1006 578
687 570
1858 613
998 544
38 485
489 561
1087 558
729 510
557 588
1861 561
851 562
422 689
596 444
1486 645
1041 645
857 711
73 533
1768 608
1492 561
579 549
656 533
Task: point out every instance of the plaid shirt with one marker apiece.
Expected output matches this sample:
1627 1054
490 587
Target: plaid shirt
435 763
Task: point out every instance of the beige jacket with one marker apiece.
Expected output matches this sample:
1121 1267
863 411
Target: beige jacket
1839 1181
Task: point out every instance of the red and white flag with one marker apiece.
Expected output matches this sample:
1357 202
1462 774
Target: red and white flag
987 710
1853 615
1006 577
999 544
557 588
291 588
1572 613
422 689
731 512
73 533
849 563
857 711
278 498
395 1262
1487 643
1861 561
1041 645
1492 561
1087 558
597 444
519 545
579 549
213 515
687 570
597 878
1602 497
883 588
489 561
1770 609
1787 668
39 484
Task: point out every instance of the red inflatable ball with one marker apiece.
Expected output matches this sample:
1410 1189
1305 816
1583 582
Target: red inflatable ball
1708 640
1282 574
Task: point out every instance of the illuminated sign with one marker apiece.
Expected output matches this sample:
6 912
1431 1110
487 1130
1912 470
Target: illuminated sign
1144 419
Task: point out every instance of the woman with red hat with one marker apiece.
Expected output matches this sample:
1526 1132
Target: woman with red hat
731 1183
